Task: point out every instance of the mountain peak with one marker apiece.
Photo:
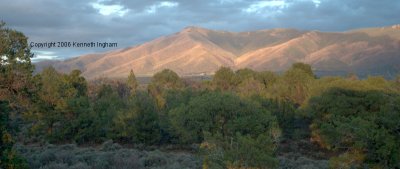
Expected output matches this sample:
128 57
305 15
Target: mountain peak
193 29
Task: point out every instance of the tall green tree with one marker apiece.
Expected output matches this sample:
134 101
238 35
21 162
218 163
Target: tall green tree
132 83
294 85
161 83
15 89
105 108
140 122
61 100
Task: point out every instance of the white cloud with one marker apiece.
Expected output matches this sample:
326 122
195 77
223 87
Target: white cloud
260 6
229 1
107 10
164 4
44 55
316 3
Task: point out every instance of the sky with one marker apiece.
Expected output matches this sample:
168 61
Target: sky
132 22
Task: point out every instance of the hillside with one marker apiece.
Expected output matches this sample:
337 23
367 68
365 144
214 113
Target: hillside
194 50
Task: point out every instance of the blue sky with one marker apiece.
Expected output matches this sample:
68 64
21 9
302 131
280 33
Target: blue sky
130 22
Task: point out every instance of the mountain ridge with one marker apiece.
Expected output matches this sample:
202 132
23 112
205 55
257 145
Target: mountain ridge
196 50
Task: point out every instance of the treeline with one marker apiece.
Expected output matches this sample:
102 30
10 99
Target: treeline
67 109
237 120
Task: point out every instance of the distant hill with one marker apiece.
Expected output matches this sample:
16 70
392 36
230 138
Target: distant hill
194 51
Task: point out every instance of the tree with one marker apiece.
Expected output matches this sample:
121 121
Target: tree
251 152
304 67
105 108
15 69
78 82
225 123
294 85
167 79
246 73
250 87
249 82
15 89
140 122
132 83
15 66
161 83
363 124
285 113
61 99
267 78
224 79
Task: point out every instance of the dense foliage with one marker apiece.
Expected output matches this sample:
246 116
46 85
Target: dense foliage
238 124
364 126
241 131
15 90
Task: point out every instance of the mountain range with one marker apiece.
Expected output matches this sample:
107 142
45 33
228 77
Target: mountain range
199 51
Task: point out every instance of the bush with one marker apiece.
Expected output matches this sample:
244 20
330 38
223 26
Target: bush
361 125
110 146
154 159
105 157
55 166
245 134
291 161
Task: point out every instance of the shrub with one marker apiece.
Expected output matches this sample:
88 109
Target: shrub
105 157
365 122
